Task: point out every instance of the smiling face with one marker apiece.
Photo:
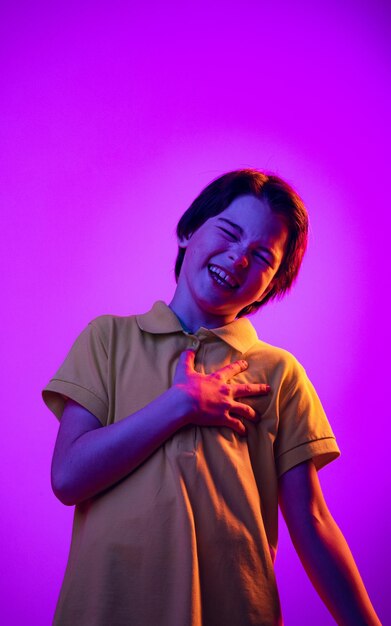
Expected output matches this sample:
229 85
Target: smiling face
230 262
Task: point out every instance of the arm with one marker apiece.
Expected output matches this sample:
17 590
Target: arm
88 458
322 548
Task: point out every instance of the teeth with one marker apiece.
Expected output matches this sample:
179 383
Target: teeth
226 278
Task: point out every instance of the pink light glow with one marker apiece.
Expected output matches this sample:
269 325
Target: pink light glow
114 118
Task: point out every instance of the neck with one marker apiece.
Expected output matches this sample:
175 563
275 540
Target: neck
192 319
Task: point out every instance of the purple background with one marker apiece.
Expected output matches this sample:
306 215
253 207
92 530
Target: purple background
114 117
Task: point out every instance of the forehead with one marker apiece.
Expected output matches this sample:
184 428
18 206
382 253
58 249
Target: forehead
254 219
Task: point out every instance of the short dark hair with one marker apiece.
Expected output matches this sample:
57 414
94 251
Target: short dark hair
282 200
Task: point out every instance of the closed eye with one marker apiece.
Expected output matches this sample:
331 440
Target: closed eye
263 258
227 232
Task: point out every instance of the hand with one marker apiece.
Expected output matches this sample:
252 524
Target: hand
211 397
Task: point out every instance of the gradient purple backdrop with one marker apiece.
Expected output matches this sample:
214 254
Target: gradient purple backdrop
114 117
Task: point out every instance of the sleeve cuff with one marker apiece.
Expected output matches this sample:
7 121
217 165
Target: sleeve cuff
57 392
321 451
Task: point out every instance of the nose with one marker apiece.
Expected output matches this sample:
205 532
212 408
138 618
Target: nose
239 258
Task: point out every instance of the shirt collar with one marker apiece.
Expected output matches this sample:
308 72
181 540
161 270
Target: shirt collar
239 334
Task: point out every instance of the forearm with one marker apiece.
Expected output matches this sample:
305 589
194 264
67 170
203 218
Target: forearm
331 568
100 458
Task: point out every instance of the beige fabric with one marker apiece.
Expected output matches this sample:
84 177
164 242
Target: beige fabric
189 537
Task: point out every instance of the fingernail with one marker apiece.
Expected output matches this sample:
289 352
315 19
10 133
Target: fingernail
243 363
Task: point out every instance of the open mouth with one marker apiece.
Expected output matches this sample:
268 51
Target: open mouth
221 277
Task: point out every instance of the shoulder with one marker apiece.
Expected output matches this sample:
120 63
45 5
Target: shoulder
107 322
106 325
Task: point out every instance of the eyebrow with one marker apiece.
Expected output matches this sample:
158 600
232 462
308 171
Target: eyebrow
238 228
240 231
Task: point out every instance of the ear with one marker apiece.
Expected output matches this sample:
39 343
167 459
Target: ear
183 242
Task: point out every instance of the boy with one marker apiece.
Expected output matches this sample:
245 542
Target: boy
180 431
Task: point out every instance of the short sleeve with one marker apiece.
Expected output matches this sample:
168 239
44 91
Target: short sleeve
82 377
304 431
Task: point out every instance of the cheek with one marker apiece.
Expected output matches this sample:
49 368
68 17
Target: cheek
194 257
261 282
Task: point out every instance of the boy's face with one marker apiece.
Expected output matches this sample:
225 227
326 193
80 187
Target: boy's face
230 261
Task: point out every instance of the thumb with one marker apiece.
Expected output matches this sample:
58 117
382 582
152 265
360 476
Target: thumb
186 361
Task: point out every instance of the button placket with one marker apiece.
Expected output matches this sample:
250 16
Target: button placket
195 345
200 346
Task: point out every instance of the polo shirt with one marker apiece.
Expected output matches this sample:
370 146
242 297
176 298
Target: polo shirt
189 537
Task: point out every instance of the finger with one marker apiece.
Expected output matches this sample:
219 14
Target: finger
250 389
228 371
243 410
186 361
236 425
